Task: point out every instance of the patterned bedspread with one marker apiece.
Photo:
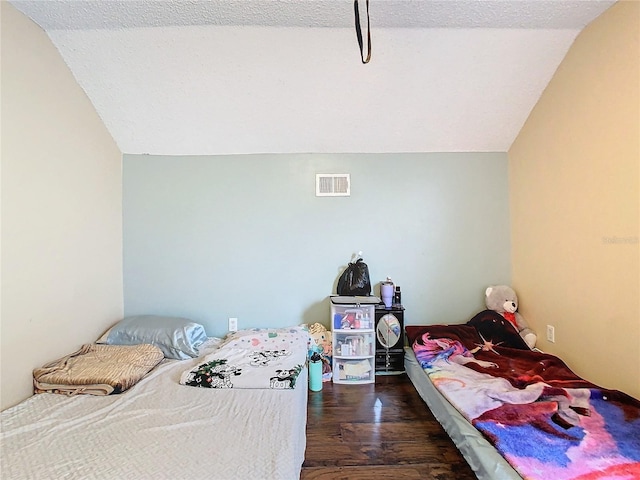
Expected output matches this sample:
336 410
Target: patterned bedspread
259 359
546 421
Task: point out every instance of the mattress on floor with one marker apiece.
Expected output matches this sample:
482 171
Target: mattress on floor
158 429
481 456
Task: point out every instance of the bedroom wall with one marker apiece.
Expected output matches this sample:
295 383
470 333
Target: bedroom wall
212 237
61 210
575 200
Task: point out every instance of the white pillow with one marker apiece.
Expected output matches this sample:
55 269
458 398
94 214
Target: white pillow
178 338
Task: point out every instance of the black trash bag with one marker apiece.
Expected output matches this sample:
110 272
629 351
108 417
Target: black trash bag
355 280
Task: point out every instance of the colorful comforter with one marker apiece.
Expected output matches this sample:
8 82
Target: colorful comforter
546 421
258 358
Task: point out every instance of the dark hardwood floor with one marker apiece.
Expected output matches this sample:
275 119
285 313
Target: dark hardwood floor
377 431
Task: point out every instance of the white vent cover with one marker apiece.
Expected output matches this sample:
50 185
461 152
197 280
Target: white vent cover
333 185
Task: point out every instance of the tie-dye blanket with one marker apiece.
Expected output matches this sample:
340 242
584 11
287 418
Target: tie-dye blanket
546 421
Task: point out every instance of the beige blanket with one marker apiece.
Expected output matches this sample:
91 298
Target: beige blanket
97 369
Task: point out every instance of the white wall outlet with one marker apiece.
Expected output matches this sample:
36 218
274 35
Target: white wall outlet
551 334
233 324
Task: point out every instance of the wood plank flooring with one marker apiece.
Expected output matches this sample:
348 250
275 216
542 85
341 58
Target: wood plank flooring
377 431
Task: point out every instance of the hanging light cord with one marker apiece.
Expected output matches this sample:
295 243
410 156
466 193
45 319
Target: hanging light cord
356 10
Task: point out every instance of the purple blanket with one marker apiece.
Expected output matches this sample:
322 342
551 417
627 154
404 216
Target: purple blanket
546 421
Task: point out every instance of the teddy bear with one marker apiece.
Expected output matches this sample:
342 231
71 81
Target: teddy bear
503 300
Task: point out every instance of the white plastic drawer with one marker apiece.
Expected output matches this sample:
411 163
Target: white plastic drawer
354 371
352 317
354 344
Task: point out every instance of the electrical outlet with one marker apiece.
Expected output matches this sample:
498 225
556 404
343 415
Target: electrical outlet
233 324
551 334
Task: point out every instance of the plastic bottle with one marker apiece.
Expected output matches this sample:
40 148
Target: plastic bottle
315 372
397 297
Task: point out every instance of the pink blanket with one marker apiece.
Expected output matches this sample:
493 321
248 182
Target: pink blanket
546 421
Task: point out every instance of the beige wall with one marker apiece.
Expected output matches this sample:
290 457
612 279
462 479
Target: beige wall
61 210
574 197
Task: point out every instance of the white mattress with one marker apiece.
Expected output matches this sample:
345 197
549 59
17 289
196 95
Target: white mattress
484 460
158 429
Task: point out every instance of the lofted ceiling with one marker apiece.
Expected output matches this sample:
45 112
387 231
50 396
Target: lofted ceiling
195 77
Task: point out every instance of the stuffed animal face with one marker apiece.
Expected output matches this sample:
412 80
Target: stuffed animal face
321 339
501 299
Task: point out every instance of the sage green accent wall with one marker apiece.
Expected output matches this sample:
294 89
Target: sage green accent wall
212 237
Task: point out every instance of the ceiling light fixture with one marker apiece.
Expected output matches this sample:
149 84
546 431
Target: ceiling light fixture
356 10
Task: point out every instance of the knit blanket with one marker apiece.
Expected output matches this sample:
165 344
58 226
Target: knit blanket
97 369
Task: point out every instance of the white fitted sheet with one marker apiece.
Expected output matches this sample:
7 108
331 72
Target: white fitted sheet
158 429
482 457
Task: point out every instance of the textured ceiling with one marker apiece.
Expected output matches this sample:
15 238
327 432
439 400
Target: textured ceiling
91 14
247 76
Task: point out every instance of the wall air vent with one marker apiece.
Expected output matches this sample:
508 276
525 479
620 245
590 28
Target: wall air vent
333 185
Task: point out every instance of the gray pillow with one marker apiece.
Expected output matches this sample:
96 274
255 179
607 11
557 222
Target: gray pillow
178 338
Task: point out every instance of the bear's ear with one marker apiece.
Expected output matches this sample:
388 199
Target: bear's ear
488 291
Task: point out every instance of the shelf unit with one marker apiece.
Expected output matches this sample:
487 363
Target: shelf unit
353 340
